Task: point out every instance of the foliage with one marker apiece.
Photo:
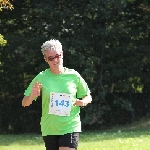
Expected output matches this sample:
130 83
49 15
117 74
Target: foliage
2 41
107 42
5 4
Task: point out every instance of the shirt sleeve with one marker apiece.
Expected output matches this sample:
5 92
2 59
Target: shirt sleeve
82 88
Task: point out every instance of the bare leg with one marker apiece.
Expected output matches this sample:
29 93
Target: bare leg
66 148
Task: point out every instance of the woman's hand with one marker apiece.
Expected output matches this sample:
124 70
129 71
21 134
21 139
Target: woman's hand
36 89
79 103
85 100
27 100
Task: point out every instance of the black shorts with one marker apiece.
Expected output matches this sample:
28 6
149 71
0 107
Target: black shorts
53 142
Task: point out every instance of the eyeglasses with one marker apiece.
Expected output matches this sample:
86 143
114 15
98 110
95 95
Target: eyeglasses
50 58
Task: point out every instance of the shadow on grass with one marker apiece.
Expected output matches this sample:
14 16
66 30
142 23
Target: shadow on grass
136 130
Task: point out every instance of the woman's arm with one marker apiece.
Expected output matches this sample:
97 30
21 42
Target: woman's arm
27 100
85 100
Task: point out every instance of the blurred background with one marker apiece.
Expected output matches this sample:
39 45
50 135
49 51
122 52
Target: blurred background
107 42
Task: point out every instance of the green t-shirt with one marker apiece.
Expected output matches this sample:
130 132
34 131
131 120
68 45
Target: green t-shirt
69 82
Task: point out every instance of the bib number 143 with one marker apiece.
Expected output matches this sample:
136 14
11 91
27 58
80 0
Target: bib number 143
60 104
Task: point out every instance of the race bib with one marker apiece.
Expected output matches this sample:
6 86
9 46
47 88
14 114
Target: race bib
60 104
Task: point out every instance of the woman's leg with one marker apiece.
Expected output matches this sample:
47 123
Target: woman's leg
51 142
69 141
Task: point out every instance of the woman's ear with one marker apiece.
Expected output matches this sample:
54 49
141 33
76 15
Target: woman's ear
45 59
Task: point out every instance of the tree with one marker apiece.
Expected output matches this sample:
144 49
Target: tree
106 41
4 4
2 41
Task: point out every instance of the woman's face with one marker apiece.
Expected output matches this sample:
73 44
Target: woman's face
54 58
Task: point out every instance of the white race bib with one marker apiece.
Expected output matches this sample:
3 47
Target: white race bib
60 104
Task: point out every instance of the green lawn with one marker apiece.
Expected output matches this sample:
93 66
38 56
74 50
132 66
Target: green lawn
133 137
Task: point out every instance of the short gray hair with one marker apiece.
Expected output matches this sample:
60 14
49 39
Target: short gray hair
51 45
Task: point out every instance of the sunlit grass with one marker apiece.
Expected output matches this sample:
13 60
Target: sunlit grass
133 137
21 142
119 140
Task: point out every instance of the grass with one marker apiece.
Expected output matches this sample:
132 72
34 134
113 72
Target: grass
133 137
